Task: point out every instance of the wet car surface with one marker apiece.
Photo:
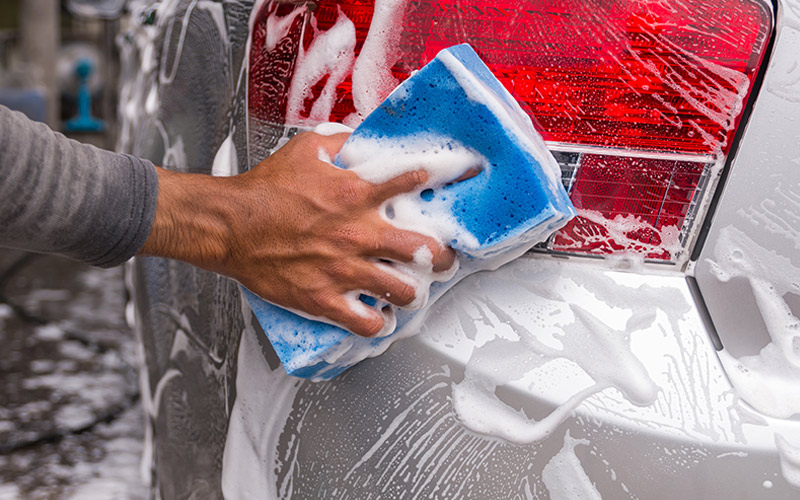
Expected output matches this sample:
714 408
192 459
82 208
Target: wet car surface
557 376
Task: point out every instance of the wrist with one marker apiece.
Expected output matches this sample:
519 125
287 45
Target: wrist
193 219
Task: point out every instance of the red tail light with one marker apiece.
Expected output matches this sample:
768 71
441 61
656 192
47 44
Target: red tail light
638 99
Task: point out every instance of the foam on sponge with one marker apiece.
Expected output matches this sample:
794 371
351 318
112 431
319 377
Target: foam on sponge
450 117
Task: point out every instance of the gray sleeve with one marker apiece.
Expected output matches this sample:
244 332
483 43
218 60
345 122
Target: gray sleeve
60 196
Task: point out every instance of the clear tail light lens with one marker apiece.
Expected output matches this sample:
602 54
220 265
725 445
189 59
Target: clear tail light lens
638 99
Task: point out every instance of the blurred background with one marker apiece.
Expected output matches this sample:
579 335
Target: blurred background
70 421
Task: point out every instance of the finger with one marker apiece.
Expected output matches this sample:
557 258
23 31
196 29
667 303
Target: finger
403 183
387 283
469 174
404 246
355 316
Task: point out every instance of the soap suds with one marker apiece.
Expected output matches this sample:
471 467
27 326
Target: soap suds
622 230
249 463
767 381
630 351
565 477
225 160
372 76
596 346
789 453
277 27
330 55
444 159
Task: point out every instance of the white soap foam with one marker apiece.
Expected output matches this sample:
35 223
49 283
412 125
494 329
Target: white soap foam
364 311
565 477
620 230
278 27
372 76
252 445
152 102
166 73
330 128
767 381
378 160
330 55
594 338
790 459
477 406
138 92
224 164
637 353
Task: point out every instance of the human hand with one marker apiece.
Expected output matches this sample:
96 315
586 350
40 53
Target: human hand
297 231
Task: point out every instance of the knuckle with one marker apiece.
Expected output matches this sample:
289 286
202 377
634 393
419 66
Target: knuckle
444 260
319 304
416 178
351 191
357 236
341 271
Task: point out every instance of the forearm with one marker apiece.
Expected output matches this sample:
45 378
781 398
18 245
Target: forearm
60 196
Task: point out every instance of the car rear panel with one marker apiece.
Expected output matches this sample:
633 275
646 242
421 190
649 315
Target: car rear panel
550 378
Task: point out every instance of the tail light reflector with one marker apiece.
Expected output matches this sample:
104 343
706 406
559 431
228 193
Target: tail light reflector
638 99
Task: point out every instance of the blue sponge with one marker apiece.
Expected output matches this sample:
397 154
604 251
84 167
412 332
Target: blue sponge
456 108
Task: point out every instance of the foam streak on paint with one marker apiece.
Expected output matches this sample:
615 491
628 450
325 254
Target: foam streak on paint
779 216
600 355
790 460
372 76
601 350
767 381
565 477
251 447
330 55
477 407
225 160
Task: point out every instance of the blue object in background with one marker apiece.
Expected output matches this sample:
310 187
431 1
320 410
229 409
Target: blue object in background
28 101
84 122
515 202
